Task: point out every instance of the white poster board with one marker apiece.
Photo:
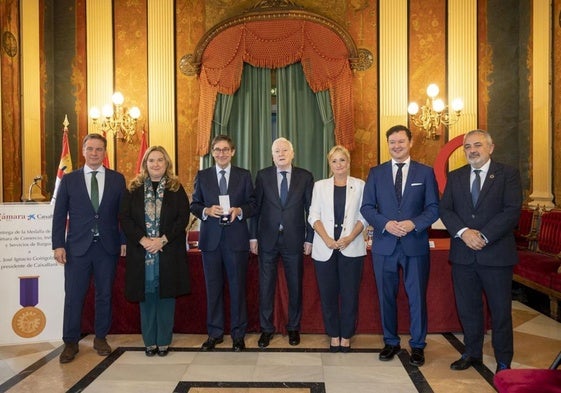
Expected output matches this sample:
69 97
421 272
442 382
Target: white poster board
31 281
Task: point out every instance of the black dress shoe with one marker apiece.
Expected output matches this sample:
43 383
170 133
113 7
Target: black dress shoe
465 362
293 337
417 357
151 351
211 342
238 345
163 351
389 352
265 339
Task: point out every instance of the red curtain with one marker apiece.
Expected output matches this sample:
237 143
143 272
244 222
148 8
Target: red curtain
275 44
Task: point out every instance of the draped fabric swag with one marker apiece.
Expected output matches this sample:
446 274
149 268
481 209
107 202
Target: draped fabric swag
275 44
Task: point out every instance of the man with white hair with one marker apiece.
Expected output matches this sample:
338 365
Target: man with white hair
280 229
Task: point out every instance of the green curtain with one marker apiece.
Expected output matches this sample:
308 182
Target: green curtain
222 111
301 121
246 118
304 118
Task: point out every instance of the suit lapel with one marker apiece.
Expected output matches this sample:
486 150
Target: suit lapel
489 181
270 183
388 174
465 183
408 181
292 185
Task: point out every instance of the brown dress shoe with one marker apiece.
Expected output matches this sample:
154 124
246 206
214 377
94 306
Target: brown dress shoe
101 346
69 352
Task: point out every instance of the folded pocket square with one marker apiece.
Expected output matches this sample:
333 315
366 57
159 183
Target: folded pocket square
416 184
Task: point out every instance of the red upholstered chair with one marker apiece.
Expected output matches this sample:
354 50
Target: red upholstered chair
527 227
530 380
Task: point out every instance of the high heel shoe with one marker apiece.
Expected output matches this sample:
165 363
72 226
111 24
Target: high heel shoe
335 345
334 348
346 348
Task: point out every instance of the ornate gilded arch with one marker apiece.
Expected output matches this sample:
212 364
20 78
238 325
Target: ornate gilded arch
274 34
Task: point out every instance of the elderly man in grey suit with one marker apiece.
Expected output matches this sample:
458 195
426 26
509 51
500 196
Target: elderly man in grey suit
280 229
480 208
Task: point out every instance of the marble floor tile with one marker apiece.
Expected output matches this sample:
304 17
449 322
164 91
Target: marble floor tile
280 368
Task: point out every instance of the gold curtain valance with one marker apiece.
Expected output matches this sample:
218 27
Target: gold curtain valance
274 44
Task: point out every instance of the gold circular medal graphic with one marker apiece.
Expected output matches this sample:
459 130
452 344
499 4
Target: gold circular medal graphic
28 322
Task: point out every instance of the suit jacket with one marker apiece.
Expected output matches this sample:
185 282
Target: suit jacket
74 201
322 209
419 204
270 212
174 217
240 190
495 215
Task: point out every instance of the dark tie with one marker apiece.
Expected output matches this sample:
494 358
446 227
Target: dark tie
94 191
222 183
399 182
475 186
283 188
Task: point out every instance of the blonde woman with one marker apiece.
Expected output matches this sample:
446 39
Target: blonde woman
154 214
338 248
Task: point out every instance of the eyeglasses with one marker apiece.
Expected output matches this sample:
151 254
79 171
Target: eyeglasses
225 150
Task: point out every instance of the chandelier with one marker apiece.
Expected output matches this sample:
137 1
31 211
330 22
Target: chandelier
431 116
112 119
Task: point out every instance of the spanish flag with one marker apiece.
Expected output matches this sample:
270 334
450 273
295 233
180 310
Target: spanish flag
65 165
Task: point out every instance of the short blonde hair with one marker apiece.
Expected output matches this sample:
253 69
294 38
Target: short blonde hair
338 149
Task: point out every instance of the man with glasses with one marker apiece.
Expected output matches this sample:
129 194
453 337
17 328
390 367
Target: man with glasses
223 199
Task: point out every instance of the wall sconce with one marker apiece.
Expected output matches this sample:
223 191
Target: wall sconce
434 113
115 121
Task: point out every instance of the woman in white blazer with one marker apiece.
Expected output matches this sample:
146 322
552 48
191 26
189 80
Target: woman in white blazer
338 248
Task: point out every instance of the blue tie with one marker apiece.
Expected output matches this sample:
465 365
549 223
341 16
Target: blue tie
283 188
222 183
475 186
399 182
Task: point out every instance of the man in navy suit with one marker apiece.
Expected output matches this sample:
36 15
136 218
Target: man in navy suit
480 208
280 229
90 197
400 201
224 240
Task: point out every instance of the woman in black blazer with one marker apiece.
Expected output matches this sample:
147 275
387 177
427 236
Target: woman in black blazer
154 214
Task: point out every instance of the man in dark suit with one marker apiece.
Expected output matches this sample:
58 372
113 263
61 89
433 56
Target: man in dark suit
280 229
90 197
224 240
480 208
400 201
